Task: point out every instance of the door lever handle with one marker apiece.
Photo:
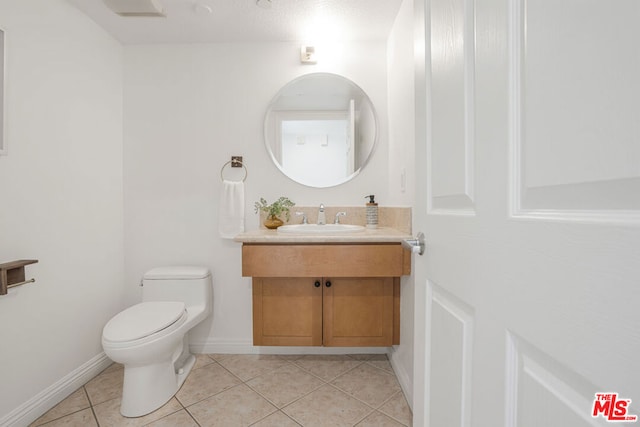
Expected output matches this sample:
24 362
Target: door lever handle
415 245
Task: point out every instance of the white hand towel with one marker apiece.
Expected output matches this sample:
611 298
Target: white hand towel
231 209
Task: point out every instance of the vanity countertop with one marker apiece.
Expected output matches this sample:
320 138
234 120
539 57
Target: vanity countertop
369 235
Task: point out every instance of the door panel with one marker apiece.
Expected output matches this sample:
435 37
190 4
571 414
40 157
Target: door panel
358 312
287 311
539 389
451 148
451 326
531 282
575 105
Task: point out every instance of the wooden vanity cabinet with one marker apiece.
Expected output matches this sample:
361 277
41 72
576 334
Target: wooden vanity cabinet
329 294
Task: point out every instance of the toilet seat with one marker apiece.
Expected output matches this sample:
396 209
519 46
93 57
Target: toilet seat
143 320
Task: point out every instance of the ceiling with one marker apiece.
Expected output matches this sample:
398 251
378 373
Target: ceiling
207 21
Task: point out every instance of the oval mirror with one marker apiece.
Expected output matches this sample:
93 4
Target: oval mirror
320 129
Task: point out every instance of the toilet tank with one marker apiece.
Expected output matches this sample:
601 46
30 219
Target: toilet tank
189 284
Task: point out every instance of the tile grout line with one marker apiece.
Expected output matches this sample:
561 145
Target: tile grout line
324 383
214 394
278 409
353 397
184 408
333 378
373 409
289 403
93 412
392 372
67 413
244 382
387 401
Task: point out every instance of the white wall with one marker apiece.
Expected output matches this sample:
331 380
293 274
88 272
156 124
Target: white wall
400 65
60 194
401 162
187 109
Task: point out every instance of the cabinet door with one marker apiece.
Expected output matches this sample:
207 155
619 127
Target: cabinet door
287 311
358 312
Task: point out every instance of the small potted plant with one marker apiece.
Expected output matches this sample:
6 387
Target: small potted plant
274 210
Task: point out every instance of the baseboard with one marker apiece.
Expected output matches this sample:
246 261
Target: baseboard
246 347
406 383
34 408
211 346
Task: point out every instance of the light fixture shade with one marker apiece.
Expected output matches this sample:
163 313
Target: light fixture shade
136 7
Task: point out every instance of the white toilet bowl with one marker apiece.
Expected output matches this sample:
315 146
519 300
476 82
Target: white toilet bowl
150 338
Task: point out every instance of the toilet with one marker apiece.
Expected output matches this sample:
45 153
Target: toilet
150 339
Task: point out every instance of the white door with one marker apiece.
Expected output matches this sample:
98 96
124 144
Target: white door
528 169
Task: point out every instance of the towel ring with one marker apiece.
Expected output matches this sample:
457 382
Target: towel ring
227 164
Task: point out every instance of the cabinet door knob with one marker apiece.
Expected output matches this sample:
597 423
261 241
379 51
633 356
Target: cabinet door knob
327 284
317 284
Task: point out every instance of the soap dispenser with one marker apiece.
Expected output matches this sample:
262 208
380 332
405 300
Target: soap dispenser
372 212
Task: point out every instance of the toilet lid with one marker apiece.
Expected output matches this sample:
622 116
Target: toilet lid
142 320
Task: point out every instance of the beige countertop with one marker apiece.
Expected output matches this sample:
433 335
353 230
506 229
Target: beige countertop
368 235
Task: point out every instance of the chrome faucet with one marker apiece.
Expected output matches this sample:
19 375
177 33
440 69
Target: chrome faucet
322 220
304 217
338 215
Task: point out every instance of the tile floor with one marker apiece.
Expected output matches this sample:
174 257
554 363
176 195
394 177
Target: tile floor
253 390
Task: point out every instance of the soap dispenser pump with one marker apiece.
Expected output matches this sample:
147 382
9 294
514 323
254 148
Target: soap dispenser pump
372 212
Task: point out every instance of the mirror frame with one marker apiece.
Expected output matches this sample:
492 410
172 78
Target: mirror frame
270 112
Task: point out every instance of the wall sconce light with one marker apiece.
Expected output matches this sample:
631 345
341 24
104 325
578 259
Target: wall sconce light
308 55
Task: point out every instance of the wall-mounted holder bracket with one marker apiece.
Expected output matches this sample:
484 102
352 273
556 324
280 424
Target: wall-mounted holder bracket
236 161
12 274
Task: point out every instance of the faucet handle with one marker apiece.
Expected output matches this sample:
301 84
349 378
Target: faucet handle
338 215
304 217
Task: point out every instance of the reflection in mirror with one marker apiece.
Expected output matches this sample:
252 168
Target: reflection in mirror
320 129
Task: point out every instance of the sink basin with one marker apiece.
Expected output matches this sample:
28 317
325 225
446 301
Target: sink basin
320 229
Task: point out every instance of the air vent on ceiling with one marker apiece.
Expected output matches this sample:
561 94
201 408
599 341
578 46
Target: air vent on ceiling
266 4
136 7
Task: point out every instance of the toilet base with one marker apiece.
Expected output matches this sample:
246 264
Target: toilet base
147 388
